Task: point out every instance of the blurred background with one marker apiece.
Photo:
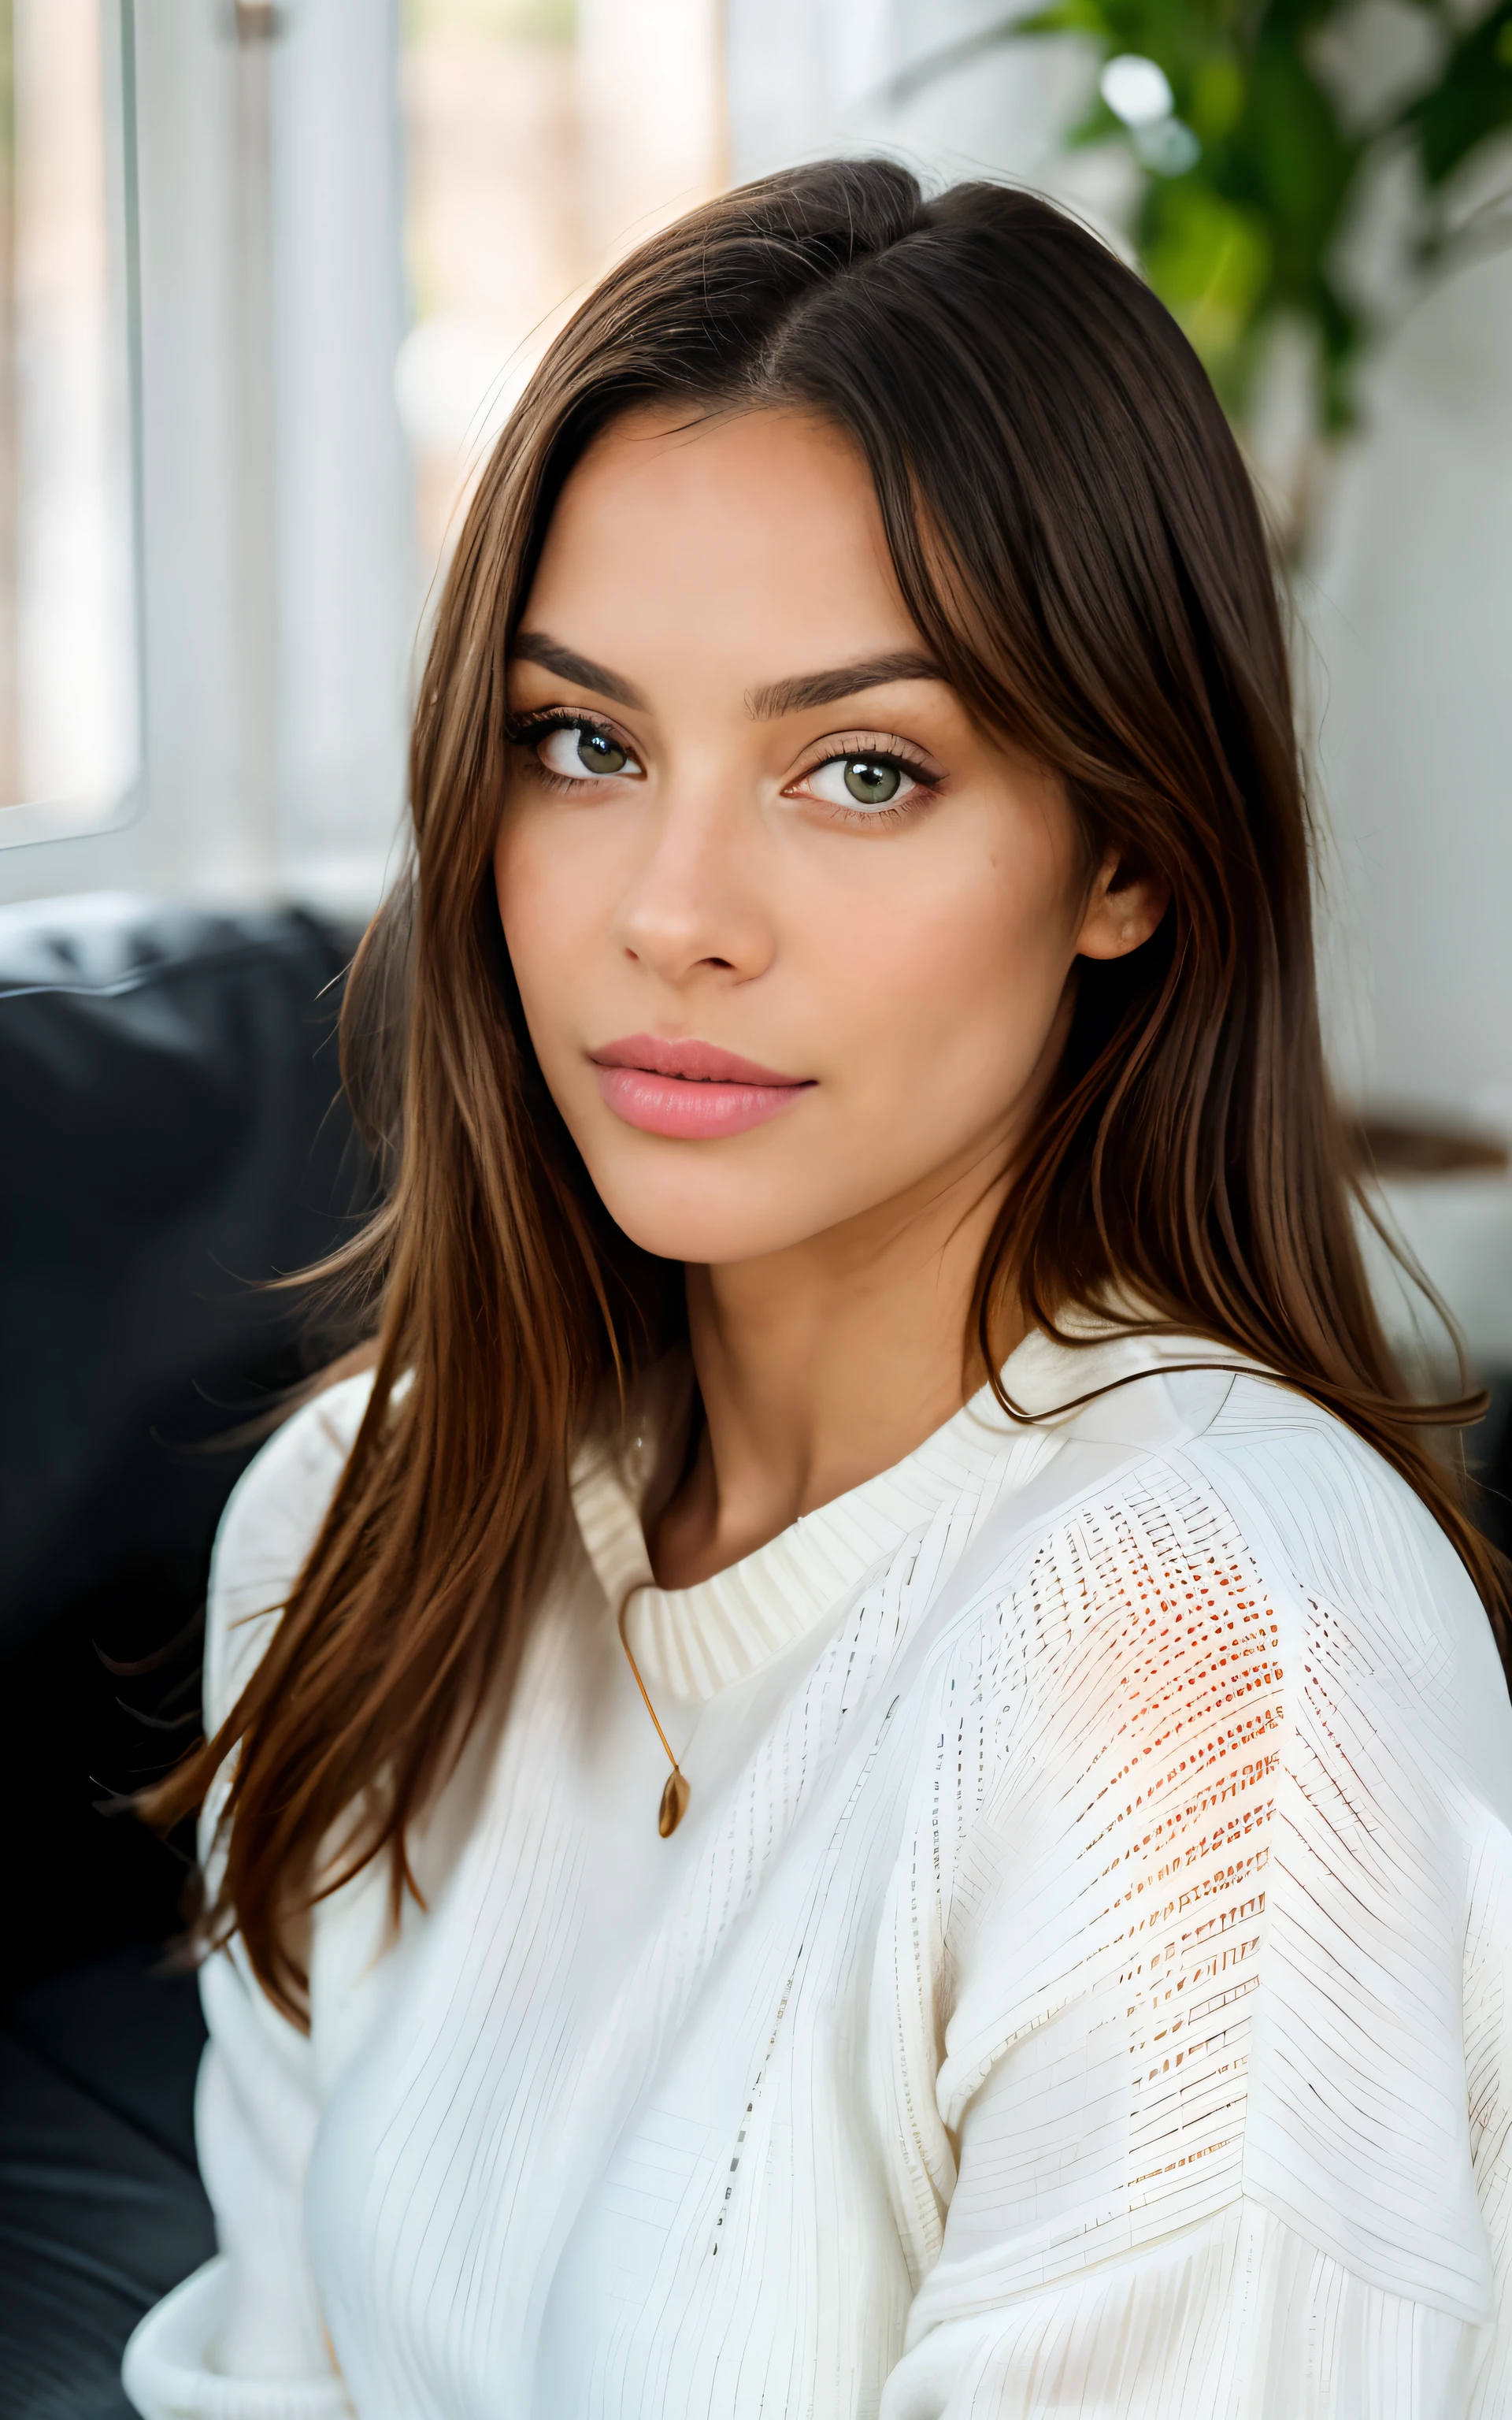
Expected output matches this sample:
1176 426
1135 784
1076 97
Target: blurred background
271 275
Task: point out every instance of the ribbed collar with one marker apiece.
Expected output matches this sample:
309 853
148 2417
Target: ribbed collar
691 1643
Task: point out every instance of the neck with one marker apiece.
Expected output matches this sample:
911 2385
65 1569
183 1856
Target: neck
820 1365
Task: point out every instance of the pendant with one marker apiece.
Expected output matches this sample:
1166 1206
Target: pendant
675 1800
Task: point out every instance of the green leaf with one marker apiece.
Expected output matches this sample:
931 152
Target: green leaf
1209 259
1472 100
1244 235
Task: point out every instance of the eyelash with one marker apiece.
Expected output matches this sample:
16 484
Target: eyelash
528 730
895 753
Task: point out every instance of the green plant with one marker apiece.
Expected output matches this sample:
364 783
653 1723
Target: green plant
1253 158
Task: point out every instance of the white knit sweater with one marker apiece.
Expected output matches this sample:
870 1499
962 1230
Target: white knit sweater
1079 1986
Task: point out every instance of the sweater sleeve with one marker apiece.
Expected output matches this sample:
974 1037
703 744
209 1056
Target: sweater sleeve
1201 2136
243 2338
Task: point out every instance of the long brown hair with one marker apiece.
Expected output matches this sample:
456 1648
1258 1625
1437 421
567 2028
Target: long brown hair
1075 536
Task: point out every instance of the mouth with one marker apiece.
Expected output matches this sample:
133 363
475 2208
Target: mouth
690 1092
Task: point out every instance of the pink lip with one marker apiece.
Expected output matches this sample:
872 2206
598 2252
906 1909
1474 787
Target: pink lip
690 1090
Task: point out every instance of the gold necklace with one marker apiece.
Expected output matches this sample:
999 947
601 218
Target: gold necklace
676 1797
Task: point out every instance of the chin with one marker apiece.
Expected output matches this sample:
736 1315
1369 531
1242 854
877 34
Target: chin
708 1218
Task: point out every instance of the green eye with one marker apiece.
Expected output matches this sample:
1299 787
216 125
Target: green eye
598 753
870 784
878 783
581 752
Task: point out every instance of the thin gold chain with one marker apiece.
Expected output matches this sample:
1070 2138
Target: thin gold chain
645 1697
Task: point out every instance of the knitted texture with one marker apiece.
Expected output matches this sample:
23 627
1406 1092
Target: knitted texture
1079 1985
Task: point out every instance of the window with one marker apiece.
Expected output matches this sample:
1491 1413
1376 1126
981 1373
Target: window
542 139
70 713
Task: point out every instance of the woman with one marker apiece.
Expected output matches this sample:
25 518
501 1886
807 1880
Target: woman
867 1773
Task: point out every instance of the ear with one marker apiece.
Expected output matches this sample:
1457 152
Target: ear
1123 907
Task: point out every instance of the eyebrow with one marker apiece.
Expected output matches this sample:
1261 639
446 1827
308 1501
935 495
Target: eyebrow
792 696
826 689
534 647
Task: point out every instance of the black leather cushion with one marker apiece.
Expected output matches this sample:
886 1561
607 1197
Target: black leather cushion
171 1136
166 1076
101 2208
174 1134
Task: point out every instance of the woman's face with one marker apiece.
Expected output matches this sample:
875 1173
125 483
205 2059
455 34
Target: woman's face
793 934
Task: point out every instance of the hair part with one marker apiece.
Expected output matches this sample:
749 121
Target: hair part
1077 541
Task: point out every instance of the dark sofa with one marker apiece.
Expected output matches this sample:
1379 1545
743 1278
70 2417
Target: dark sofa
172 1134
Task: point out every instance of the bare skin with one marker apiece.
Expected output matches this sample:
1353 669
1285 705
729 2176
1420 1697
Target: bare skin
689 860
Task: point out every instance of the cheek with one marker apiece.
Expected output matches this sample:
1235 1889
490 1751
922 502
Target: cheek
958 981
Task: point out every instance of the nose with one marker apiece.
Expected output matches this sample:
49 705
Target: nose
695 906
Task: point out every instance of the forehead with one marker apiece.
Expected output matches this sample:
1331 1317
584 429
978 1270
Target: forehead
668 451
756 534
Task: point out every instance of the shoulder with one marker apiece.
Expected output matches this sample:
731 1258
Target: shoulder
1375 1594
267 1530
1327 1514
1191 1488
1192 1432
1245 1548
